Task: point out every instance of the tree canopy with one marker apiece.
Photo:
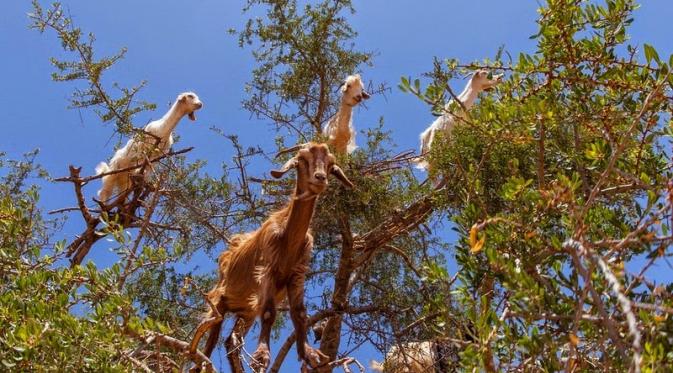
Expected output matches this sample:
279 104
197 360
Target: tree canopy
557 185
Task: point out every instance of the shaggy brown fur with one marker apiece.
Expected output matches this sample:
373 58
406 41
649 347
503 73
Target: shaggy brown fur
261 268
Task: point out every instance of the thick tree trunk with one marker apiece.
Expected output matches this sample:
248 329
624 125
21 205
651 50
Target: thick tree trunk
365 246
331 337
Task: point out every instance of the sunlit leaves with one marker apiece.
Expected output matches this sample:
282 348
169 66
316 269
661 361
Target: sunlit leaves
303 52
89 69
526 163
651 54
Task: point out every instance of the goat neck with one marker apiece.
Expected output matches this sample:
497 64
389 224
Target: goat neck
299 212
343 116
170 120
469 95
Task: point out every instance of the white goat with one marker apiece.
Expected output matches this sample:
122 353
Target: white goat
339 129
419 357
143 145
445 123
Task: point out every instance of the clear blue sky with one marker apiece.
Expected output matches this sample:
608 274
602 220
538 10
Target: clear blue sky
183 45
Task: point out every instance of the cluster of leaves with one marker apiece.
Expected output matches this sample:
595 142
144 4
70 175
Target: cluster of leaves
83 317
90 69
557 185
302 54
573 146
50 316
142 295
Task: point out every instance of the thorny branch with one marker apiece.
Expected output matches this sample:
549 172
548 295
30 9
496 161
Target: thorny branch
179 346
318 317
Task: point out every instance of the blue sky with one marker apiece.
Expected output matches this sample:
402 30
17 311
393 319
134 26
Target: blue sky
179 45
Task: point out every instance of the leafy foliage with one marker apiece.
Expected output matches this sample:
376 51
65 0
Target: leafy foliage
571 149
557 186
303 53
88 68
48 313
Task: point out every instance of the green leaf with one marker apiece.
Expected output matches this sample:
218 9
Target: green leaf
405 84
651 54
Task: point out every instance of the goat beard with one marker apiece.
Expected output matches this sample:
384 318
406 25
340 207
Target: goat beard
192 116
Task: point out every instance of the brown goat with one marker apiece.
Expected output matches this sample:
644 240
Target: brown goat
263 267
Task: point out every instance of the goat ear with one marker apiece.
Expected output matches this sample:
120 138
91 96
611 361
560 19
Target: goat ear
291 163
183 98
338 172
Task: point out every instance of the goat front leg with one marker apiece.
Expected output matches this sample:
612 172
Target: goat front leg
295 294
235 341
262 356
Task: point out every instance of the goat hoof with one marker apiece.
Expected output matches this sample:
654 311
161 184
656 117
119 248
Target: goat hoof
260 359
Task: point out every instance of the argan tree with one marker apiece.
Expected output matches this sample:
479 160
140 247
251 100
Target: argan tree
557 185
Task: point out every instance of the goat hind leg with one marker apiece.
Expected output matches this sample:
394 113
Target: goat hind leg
212 324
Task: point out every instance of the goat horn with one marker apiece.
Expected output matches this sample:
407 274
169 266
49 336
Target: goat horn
290 149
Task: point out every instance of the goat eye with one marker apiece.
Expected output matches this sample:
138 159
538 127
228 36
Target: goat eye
190 96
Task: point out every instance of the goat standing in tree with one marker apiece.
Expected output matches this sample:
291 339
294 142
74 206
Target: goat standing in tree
479 82
263 267
339 129
141 146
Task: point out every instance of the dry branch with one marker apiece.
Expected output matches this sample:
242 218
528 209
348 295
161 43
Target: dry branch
176 345
119 211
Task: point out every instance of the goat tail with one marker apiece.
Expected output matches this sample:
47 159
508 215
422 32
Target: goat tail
376 366
102 168
108 185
